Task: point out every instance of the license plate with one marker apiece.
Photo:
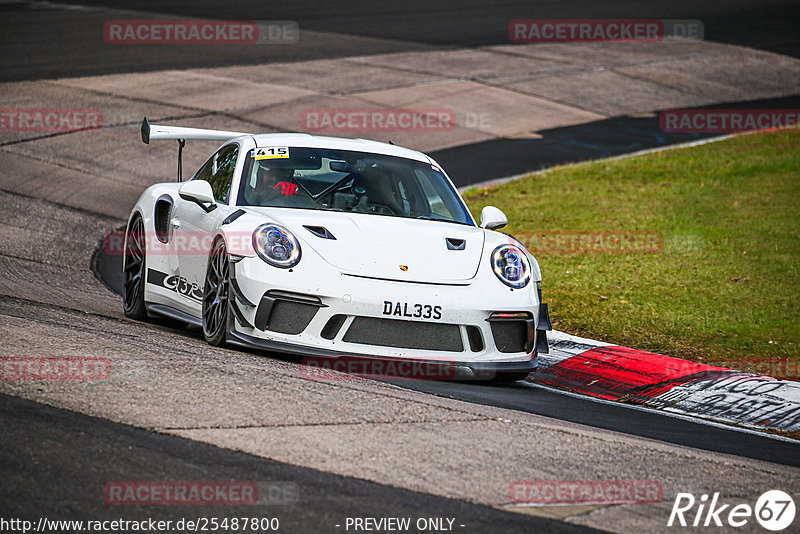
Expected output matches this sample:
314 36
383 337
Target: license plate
412 310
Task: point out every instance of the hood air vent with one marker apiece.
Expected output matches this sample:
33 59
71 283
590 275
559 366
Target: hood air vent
455 244
320 231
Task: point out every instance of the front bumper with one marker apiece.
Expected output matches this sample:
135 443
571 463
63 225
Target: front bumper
361 317
460 369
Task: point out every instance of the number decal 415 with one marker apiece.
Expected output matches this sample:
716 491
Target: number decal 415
271 152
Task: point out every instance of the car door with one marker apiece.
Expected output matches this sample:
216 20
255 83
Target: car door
196 226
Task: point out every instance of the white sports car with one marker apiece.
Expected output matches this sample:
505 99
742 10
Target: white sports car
330 247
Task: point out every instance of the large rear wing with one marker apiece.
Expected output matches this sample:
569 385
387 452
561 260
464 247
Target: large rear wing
157 132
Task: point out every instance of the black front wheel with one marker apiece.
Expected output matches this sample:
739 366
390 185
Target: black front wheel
134 271
215 296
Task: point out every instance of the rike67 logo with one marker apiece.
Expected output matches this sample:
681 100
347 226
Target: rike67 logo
774 510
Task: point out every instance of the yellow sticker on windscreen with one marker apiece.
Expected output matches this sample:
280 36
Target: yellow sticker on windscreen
271 152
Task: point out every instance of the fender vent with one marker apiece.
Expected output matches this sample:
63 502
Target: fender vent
455 244
233 216
161 218
320 231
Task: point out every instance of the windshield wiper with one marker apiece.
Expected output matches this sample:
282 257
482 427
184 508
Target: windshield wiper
439 219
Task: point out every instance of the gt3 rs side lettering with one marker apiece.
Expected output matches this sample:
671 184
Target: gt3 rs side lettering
176 283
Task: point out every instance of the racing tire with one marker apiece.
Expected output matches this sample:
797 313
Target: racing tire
215 296
134 271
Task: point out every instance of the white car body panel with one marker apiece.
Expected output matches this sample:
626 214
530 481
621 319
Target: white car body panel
374 260
393 241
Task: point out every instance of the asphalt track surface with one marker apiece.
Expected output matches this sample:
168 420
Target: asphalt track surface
46 40
640 422
55 462
620 418
572 144
59 42
80 454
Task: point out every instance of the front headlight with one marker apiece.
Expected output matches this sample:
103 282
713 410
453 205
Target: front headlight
511 266
276 245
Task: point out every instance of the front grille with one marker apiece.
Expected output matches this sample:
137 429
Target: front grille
405 334
510 336
290 317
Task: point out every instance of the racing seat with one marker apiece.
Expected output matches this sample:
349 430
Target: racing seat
381 189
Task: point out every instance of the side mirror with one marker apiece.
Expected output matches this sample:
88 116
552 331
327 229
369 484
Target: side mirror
200 192
492 218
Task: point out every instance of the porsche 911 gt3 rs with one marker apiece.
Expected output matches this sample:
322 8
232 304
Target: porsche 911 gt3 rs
331 247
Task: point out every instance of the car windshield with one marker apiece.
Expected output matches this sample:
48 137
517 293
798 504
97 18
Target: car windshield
341 180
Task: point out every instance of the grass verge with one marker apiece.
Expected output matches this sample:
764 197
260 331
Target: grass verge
722 286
